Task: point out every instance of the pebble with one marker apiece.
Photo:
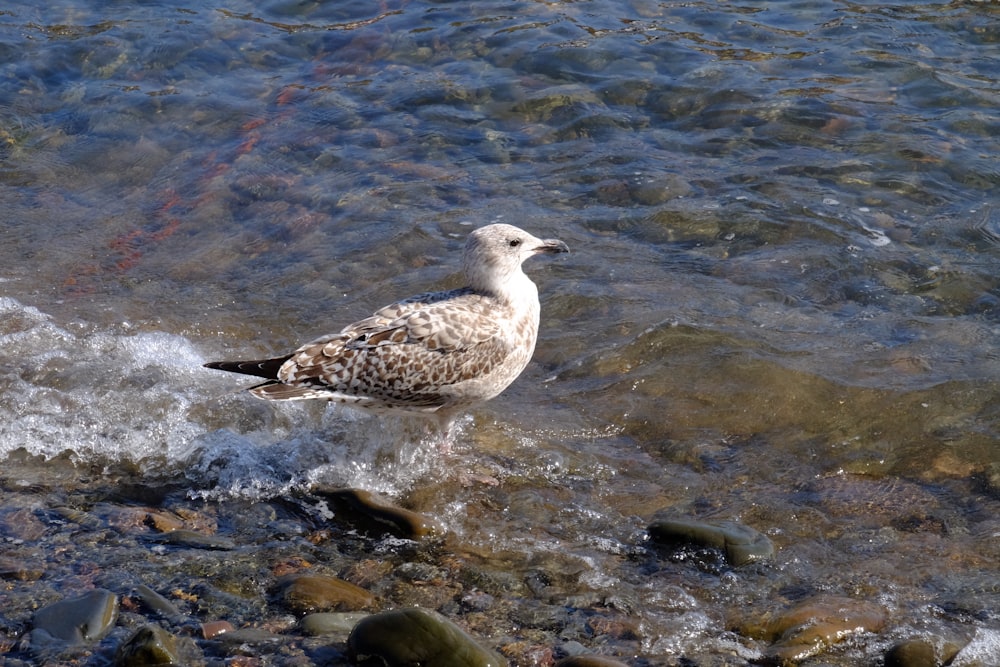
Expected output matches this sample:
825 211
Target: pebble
317 592
195 540
159 604
740 543
212 629
415 636
249 637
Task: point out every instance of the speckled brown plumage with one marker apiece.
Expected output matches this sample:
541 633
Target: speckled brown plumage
434 353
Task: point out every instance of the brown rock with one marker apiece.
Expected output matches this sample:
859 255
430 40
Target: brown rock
589 661
316 592
809 628
377 516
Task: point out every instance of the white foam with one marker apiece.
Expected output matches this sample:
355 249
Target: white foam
144 398
92 394
983 650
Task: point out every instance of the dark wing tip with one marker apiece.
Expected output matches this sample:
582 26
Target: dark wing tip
265 368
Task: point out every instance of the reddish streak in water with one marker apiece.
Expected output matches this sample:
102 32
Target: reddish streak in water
253 124
252 138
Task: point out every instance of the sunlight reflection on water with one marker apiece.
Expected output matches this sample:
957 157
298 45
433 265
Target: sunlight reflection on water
784 272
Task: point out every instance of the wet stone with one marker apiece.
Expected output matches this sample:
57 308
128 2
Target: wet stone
330 623
315 592
809 628
77 620
376 516
159 604
249 637
152 645
658 190
14 568
212 629
196 540
589 661
414 636
920 653
22 524
741 544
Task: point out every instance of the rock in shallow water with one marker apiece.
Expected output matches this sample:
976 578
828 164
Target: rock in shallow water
315 592
740 543
920 653
589 661
377 516
152 645
195 540
809 628
328 623
14 568
414 636
77 620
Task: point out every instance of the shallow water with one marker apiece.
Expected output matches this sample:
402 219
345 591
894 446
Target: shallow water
782 306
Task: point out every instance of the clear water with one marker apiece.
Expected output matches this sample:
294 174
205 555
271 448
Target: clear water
782 305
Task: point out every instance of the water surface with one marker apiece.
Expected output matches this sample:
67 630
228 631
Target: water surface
782 305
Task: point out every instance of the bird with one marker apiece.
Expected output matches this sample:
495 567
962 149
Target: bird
435 354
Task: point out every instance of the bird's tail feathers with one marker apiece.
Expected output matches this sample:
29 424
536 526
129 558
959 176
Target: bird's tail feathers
265 368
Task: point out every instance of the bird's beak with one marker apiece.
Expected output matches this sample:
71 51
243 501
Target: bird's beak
552 246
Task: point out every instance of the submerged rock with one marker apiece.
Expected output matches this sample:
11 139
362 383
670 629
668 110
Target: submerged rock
78 620
809 628
740 543
152 645
330 623
920 653
414 636
19 569
195 540
377 516
316 592
589 661
159 604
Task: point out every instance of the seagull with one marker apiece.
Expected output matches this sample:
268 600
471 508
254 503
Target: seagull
435 354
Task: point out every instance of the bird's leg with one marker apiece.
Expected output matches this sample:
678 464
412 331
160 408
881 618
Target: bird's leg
446 423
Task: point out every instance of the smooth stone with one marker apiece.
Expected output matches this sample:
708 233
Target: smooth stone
377 516
589 661
330 623
78 620
250 637
195 540
149 645
316 592
920 653
159 604
740 543
416 637
809 628
212 629
658 190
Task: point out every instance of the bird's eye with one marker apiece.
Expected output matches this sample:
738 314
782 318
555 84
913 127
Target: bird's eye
514 243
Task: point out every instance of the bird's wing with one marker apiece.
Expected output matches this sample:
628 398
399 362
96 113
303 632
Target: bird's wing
406 354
